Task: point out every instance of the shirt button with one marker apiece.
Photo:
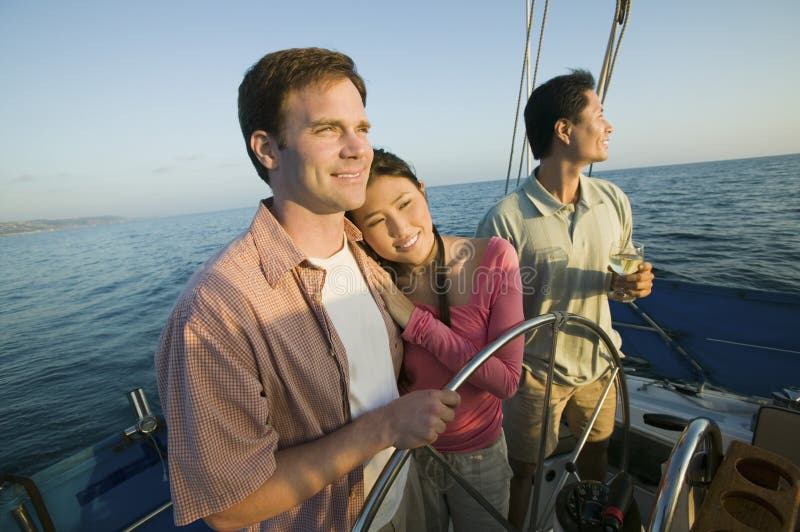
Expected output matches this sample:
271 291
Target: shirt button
317 297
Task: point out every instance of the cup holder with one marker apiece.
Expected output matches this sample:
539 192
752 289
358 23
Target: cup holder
752 489
752 511
764 474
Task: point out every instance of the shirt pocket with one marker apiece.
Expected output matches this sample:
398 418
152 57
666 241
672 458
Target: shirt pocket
550 270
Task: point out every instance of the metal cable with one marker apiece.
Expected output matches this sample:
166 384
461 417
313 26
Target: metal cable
533 82
626 14
541 39
519 94
621 16
521 159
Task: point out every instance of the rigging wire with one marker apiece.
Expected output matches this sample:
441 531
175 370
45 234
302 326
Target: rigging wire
525 70
535 74
519 95
522 158
621 17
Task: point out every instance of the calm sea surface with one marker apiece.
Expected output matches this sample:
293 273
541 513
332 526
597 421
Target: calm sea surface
81 310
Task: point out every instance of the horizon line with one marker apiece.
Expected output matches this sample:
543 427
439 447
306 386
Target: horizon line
153 217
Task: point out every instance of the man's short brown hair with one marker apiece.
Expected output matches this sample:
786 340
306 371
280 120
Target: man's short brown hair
267 84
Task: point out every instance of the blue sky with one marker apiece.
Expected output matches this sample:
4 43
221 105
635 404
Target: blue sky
130 109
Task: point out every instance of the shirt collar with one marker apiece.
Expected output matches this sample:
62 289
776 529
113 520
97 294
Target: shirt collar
277 251
589 194
547 204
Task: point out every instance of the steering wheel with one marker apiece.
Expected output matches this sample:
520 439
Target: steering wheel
557 320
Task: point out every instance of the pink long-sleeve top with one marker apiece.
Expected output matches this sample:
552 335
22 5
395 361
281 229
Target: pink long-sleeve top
434 353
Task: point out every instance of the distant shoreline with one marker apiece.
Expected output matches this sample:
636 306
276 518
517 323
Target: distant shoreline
43 226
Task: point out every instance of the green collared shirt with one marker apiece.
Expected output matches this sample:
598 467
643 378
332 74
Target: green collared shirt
563 252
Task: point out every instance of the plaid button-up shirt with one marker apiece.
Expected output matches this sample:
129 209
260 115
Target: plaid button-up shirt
248 364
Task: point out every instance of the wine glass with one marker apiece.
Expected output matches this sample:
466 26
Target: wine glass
625 258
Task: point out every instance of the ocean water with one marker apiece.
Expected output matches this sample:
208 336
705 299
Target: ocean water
81 310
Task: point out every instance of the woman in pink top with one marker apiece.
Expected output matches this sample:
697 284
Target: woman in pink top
452 296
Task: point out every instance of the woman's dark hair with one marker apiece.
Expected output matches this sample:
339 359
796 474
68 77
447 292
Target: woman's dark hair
386 163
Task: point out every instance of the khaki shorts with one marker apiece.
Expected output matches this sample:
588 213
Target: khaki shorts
523 415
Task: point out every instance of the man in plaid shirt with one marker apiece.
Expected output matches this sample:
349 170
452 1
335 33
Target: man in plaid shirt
277 367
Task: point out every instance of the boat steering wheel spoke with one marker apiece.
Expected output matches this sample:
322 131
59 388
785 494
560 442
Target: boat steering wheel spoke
570 467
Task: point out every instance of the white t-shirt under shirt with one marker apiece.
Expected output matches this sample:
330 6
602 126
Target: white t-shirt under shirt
360 326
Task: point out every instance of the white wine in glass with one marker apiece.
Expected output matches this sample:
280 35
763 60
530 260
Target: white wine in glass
625 258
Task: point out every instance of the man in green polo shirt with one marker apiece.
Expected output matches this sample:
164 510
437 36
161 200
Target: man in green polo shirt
563 224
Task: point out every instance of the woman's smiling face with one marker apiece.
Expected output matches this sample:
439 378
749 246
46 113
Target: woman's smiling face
395 220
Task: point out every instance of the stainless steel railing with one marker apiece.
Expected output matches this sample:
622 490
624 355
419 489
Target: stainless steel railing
682 459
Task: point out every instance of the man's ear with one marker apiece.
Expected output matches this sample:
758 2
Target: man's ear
562 130
266 149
